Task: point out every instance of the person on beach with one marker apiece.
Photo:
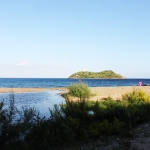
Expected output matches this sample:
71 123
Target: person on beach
140 83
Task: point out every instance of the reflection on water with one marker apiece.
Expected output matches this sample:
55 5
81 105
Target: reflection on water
42 101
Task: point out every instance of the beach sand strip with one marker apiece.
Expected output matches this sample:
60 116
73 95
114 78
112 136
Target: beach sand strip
100 92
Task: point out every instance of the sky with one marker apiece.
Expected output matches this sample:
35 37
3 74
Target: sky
56 38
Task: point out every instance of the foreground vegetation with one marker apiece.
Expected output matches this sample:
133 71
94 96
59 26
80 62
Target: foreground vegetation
71 122
107 74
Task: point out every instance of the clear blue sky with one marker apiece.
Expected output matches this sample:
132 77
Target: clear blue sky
55 38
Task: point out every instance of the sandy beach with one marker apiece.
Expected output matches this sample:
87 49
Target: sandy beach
100 92
116 92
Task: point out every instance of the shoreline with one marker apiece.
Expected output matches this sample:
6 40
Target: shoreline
100 92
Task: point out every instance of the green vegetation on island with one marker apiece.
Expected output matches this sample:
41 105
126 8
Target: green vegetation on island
107 74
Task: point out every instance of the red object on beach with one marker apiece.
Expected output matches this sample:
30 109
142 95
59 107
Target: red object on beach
140 83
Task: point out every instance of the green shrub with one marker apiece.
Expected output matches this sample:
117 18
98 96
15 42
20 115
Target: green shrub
79 90
136 96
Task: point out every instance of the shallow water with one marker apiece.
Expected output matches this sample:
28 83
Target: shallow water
42 101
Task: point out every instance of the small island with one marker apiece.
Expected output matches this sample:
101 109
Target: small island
107 74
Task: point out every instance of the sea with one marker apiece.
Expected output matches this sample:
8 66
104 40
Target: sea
45 100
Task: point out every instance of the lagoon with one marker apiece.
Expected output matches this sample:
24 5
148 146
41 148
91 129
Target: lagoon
42 101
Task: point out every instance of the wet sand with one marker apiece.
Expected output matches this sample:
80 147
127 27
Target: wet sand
100 92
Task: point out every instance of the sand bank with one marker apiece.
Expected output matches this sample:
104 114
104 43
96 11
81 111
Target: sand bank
5 90
100 92
115 92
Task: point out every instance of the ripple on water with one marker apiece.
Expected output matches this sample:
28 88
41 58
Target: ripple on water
42 101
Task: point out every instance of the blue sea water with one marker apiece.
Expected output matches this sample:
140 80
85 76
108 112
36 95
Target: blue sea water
42 101
64 82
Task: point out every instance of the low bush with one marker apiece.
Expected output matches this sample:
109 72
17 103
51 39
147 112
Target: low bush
79 90
136 96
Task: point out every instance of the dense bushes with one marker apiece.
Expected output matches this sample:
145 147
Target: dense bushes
72 121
